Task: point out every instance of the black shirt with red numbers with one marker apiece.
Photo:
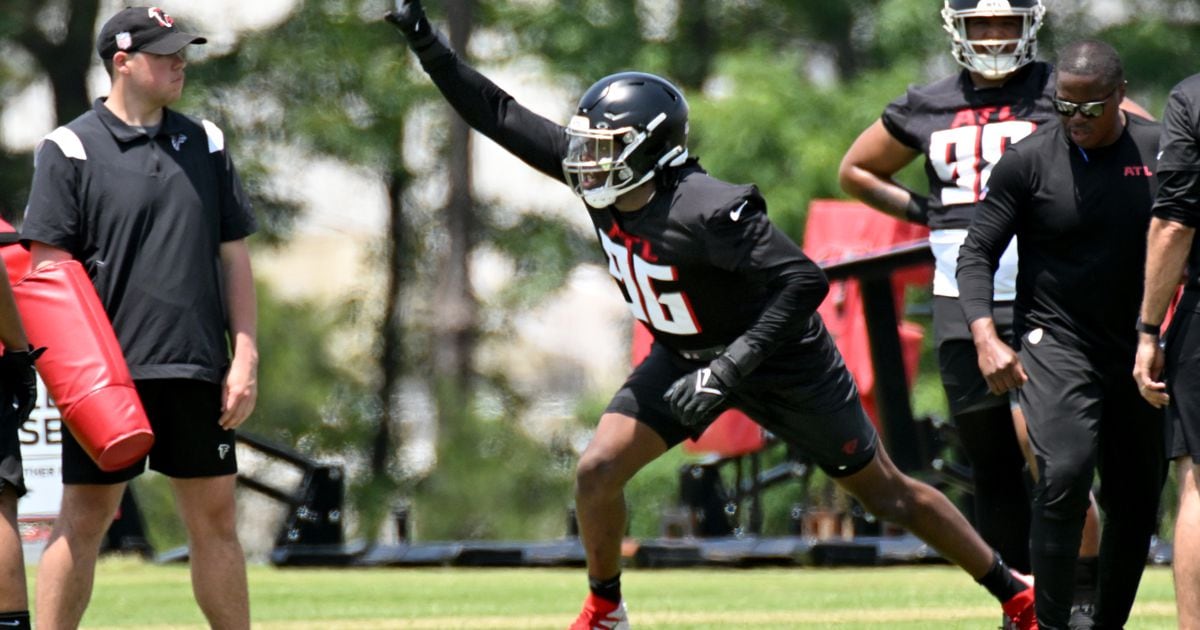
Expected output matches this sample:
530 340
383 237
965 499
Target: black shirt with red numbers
1179 167
962 131
700 264
1080 218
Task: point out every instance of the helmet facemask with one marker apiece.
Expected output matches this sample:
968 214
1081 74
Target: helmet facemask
993 58
603 164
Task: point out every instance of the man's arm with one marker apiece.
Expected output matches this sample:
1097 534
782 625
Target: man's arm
991 231
12 333
1167 247
538 142
241 383
866 174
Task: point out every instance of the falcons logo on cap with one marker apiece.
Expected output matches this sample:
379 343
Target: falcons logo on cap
161 17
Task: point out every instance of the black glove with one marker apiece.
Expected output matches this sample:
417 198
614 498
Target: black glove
410 18
19 381
696 399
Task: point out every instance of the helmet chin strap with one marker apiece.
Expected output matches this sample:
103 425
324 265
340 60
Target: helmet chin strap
607 196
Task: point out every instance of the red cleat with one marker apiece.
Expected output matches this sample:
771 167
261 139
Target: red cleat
1020 612
601 614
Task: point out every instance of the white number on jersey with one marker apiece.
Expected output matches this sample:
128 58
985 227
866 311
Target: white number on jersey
666 312
963 156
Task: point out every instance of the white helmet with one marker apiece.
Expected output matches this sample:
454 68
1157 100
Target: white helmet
993 58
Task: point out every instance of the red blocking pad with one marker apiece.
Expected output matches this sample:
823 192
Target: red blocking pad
83 367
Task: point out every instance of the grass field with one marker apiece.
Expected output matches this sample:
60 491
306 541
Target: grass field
131 594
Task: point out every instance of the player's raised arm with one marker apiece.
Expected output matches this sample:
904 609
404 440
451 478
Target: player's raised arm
539 142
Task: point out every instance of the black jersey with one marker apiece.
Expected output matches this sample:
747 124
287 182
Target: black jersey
963 130
1080 218
700 264
1179 166
146 216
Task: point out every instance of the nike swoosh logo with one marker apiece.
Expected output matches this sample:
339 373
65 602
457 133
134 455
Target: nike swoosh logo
734 215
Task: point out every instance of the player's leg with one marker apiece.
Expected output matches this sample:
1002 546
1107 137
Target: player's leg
1186 563
14 598
1001 495
218 565
986 431
1132 465
200 458
635 429
14 602
68 563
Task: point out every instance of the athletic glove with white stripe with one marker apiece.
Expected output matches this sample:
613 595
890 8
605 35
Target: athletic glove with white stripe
697 398
19 381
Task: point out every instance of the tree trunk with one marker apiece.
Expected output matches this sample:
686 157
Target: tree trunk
455 307
391 327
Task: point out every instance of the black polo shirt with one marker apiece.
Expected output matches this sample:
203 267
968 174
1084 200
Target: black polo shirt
146 216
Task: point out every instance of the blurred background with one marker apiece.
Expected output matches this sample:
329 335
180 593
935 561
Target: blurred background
434 318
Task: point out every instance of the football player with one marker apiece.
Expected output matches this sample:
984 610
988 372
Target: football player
730 300
961 125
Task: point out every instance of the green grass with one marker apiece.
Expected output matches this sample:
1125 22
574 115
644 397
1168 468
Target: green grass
130 594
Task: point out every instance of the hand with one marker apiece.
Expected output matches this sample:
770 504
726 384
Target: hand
19 379
239 394
696 398
1000 366
409 18
1147 367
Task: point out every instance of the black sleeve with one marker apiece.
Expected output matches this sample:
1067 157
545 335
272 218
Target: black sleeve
989 235
896 118
1178 197
53 214
237 217
753 247
538 142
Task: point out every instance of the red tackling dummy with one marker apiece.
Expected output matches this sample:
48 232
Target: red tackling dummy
83 367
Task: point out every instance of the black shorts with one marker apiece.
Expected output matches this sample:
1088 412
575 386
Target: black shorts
966 389
823 420
188 441
1183 381
12 472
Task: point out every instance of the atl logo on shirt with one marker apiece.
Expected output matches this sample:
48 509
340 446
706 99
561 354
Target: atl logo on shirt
1138 171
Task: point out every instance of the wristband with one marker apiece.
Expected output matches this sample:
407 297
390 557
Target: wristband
1149 329
917 210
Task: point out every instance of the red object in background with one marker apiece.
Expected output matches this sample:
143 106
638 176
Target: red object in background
83 367
842 229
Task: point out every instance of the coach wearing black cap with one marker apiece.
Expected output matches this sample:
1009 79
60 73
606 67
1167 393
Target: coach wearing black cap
149 202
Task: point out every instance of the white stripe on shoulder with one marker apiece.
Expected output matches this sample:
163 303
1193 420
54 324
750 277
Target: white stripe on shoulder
216 137
68 142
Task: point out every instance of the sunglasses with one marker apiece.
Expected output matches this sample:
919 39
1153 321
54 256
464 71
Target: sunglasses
1091 109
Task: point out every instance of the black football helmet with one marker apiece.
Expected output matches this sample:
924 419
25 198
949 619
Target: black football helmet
993 58
628 127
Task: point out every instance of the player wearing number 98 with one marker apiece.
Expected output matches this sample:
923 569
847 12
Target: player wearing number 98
962 124
731 302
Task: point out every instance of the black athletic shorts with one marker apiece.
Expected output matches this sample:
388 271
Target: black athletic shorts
188 441
824 420
966 389
12 472
1183 380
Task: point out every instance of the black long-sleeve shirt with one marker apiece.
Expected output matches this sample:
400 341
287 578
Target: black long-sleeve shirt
1080 217
700 265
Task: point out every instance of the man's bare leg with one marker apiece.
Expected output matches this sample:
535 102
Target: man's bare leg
218 564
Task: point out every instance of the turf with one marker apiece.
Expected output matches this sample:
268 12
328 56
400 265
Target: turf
130 594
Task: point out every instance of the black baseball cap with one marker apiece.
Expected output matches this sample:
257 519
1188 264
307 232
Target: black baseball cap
146 29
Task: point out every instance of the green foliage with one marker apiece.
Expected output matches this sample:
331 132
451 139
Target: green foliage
774 126
493 480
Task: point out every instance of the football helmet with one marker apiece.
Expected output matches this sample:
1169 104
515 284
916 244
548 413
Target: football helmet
993 58
628 127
